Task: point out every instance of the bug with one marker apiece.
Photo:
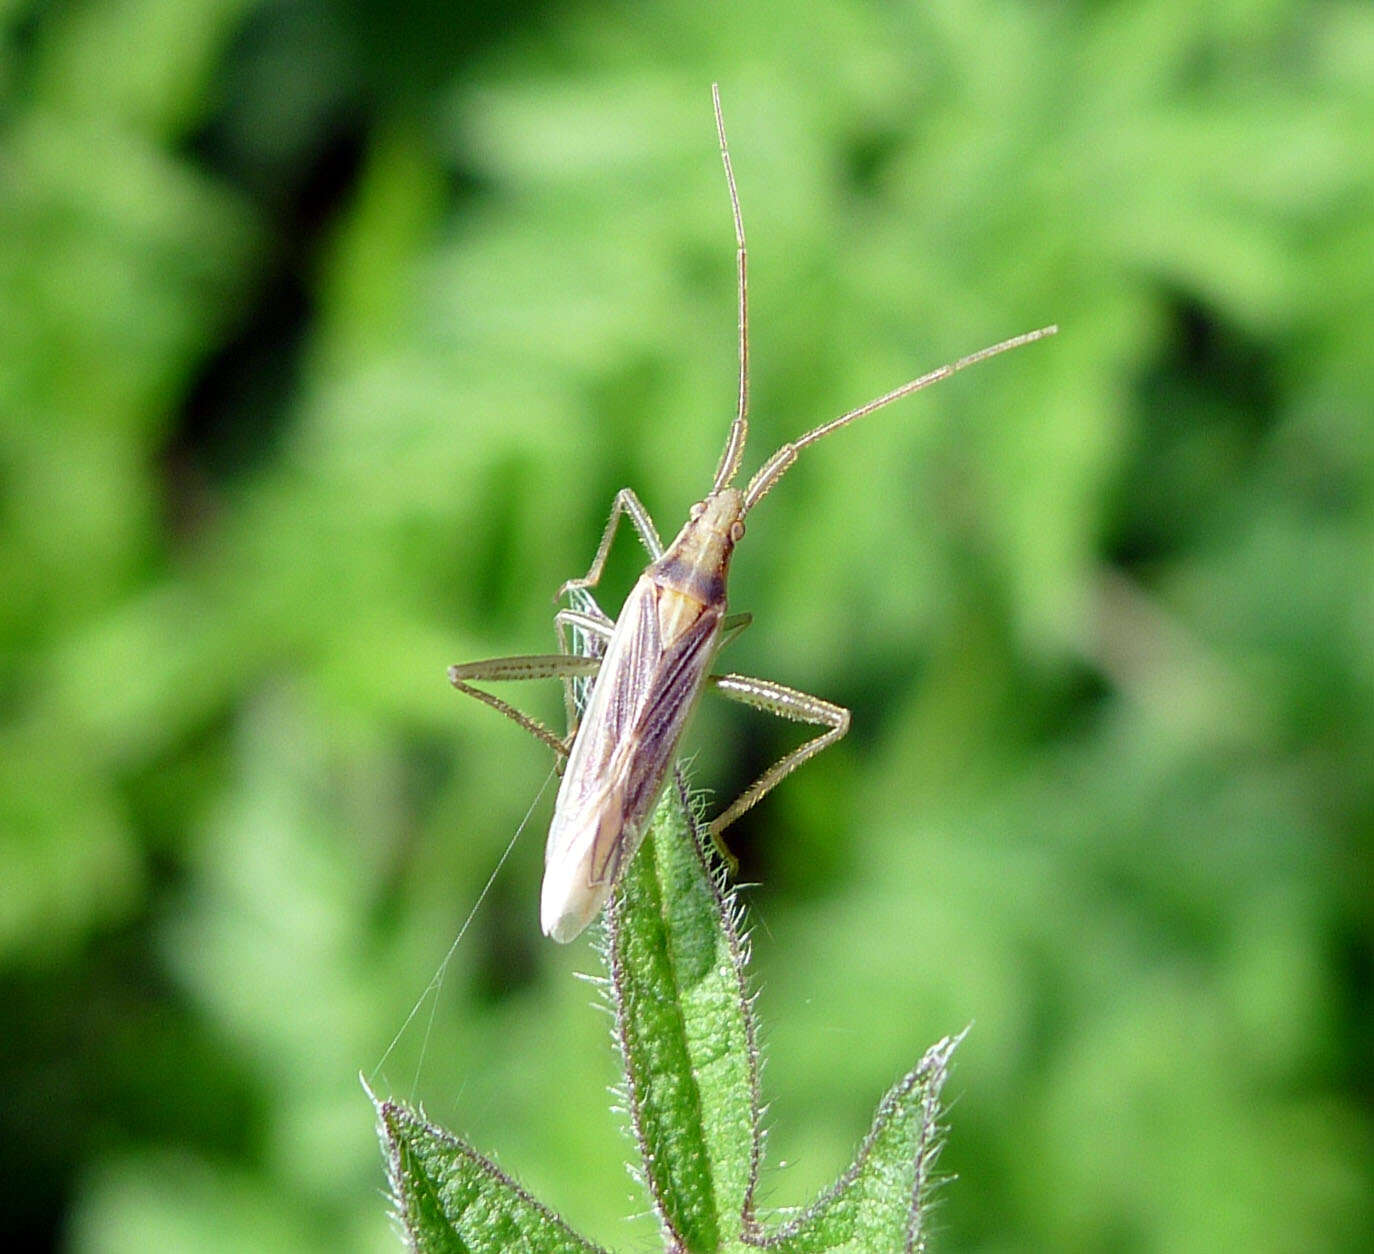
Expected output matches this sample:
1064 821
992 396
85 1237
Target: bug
649 667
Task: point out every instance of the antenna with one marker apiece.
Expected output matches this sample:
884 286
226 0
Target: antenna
776 466
739 429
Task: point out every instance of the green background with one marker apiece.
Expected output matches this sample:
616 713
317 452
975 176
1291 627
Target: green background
327 332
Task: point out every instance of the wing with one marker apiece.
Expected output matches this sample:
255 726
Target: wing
641 702
664 711
633 656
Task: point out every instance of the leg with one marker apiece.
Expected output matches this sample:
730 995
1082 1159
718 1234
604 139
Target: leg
732 626
626 502
763 694
534 666
596 626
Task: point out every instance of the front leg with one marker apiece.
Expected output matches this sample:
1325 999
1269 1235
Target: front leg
626 502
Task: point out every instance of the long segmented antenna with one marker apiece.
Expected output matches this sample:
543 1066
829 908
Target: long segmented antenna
739 429
776 466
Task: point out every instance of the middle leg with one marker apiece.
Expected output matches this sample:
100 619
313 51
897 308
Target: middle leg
800 707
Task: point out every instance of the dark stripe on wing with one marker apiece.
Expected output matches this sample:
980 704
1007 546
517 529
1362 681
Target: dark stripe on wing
664 713
627 671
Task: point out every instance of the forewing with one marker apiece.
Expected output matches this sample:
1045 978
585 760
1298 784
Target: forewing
664 712
627 672
641 702
643 698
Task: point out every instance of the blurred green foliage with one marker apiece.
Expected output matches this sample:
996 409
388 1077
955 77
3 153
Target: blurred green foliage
327 332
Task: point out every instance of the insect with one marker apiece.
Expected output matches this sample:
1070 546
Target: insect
649 667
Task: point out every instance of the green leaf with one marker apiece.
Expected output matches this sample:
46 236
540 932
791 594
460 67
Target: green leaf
448 1197
878 1204
685 1031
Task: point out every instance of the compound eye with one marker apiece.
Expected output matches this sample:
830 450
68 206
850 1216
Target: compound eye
696 511
736 531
